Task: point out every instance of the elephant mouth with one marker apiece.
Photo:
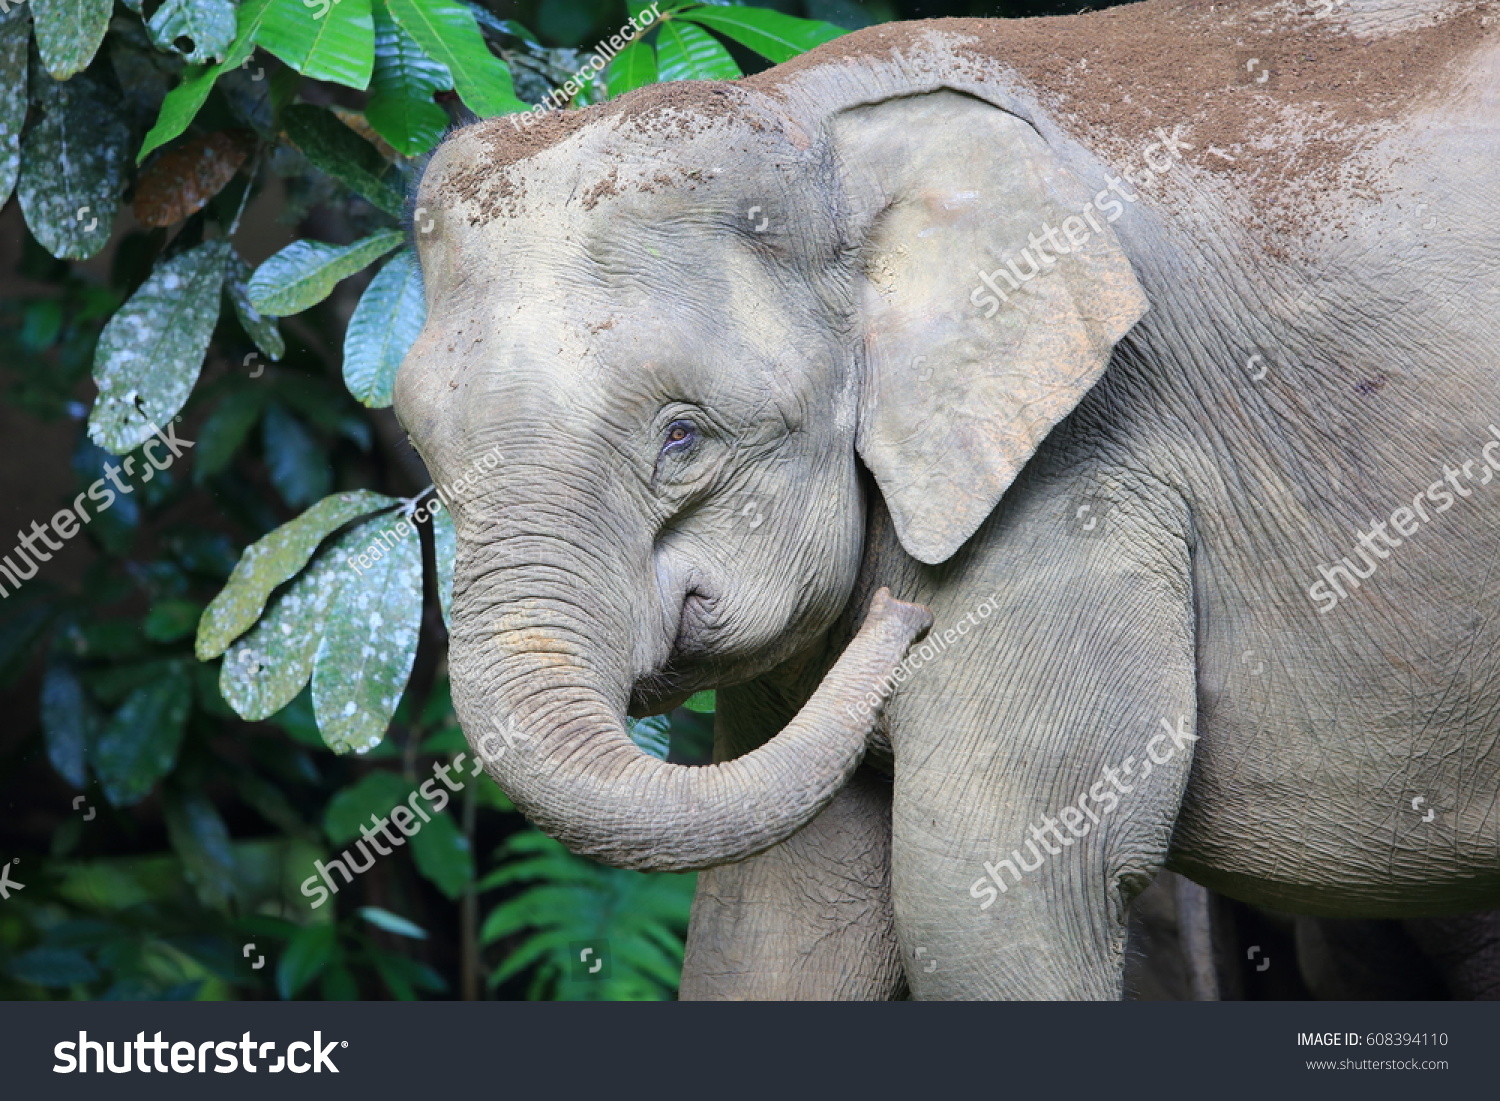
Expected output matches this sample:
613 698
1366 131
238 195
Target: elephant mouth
668 686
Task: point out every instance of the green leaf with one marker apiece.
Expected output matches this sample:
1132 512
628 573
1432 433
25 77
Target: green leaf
297 465
264 670
273 559
69 721
139 744
633 67
53 967
333 148
371 797
445 550
310 951
150 353
702 702
441 852
258 327
385 324
685 52
448 33
201 839
73 167
207 25
366 655
771 34
392 923
305 272
653 735
182 103
224 432
401 108
170 620
68 33
324 39
14 34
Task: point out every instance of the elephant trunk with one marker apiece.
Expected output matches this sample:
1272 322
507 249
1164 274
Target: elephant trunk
546 716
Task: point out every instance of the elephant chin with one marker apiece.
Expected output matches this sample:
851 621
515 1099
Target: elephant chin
555 740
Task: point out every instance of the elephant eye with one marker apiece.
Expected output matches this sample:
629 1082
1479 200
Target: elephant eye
681 435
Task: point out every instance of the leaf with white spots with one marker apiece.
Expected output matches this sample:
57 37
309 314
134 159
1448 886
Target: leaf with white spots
14 34
68 33
384 326
150 353
305 272
275 558
445 550
367 650
201 29
73 161
258 326
264 670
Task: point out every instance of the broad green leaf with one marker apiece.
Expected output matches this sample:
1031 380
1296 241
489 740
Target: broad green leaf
183 102
445 550
442 854
199 836
367 650
264 670
69 721
771 34
297 465
73 167
384 326
324 39
150 353
401 108
201 29
258 327
224 431
633 67
305 272
363 803
685 52
332 147
392 923
139 743
68 33
14 33
275 558
447 33
312 949
702 702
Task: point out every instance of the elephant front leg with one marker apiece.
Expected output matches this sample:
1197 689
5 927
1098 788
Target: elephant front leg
810 918
1042 756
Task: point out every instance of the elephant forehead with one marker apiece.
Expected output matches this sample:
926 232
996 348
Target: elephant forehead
658 137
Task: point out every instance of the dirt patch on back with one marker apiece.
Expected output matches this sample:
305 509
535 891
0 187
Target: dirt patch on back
1274 96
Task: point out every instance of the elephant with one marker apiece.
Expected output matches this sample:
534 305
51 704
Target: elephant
1143 359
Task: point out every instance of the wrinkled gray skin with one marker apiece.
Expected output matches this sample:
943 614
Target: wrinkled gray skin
787 267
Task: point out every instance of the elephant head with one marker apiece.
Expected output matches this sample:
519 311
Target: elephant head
687 320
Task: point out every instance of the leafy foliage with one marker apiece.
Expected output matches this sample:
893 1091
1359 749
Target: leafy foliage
200 112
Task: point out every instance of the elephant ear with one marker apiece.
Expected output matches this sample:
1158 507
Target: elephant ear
993 292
